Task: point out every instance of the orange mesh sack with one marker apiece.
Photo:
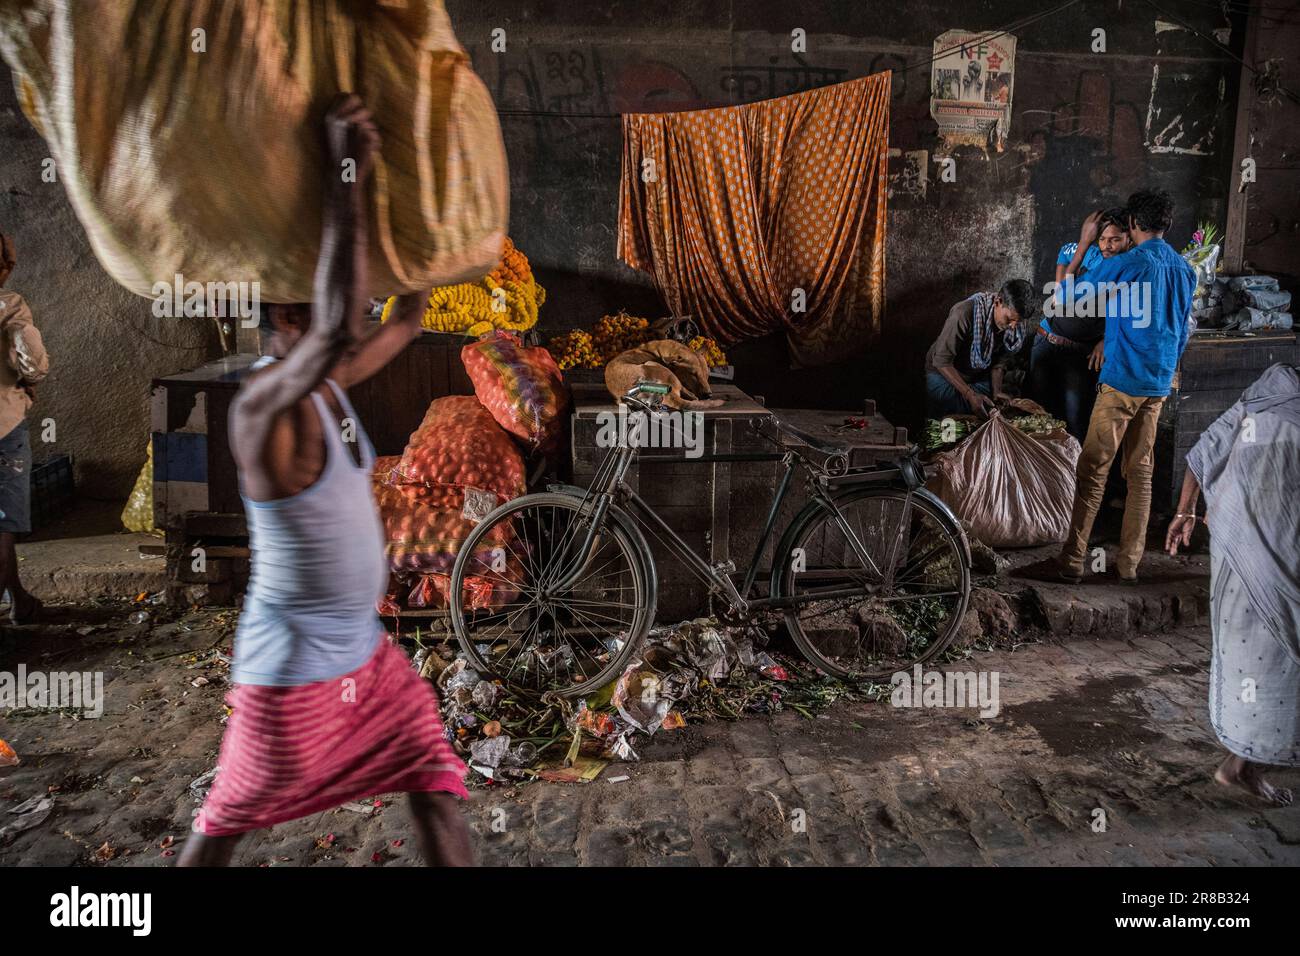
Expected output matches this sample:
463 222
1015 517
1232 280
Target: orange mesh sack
482 591
1010 488
421 536
382 472
459 446
522 387
189 136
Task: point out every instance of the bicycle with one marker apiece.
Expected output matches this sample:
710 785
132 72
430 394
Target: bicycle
556 590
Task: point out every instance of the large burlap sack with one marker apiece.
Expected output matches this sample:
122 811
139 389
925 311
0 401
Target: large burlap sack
209 163
1011 489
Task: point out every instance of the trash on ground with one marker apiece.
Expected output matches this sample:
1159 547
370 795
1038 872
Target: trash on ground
200 786
29 813
364 809
583 770
694 671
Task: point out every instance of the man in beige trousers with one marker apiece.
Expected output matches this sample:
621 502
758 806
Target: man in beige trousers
1146 294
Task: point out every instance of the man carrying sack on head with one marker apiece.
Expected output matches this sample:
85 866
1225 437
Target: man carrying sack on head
326 708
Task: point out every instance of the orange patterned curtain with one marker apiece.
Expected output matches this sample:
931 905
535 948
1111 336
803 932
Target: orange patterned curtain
732 210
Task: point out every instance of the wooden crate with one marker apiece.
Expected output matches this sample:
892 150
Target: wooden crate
193 469
221 542
392 403
718 508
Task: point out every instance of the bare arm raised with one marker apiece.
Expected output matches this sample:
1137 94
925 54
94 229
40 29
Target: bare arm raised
382 344
340 280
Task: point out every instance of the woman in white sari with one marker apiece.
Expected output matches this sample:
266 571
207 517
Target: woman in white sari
1248 465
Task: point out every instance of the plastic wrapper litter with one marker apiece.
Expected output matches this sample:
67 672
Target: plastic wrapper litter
1203 259
1012 489
138 513
207 162
433 590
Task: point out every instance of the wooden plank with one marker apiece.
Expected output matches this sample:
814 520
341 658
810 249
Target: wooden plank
223 476
1216 400
1234 238
878 441
211 524
590 400
226 551
225 372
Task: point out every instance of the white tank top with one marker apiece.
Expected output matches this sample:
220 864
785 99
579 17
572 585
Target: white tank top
318 568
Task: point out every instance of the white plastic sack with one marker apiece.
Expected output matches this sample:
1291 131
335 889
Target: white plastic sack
1011 489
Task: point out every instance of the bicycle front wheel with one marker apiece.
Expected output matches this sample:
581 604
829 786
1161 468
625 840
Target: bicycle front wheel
878 588
530 606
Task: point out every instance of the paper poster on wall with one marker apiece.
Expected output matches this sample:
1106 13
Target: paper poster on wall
970 88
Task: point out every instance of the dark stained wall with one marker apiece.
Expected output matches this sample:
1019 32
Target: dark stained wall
1088 128
1270 138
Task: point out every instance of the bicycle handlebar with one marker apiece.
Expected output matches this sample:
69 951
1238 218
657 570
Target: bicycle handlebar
648 385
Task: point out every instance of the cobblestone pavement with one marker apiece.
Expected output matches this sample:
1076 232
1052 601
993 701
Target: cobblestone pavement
1089 730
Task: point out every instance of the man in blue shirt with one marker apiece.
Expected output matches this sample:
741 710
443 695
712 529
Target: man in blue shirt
1146 297
1067 350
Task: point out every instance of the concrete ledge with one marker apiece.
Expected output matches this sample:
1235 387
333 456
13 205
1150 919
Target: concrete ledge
79 569
1173 592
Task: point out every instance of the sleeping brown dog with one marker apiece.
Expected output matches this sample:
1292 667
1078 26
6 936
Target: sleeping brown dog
683 370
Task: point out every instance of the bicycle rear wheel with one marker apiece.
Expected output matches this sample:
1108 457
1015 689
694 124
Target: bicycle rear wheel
528 608
907 582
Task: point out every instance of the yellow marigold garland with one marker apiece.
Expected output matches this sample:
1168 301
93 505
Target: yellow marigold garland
473 308
574 350
710 349
614 334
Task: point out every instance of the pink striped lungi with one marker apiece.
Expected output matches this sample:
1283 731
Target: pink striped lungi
292 751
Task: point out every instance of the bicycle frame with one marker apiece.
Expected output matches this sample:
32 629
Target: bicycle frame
615 490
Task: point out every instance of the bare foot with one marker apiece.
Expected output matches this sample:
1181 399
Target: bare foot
25 609
1236 772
